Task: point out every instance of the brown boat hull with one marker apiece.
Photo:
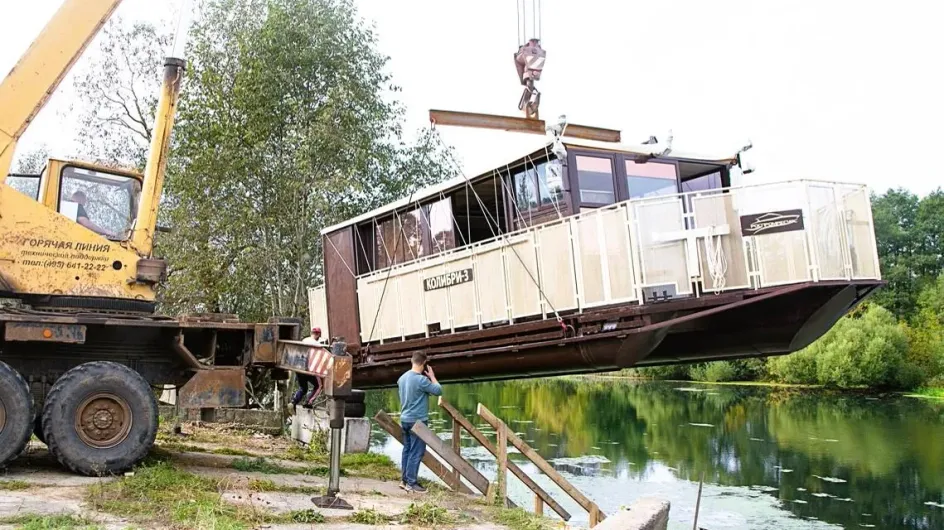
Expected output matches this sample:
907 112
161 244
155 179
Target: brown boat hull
759 323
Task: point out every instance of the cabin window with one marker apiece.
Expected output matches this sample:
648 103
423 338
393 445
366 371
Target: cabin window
650 179
102 202
526 193
442 229
595 176
703 183
533 188
26 184
414 234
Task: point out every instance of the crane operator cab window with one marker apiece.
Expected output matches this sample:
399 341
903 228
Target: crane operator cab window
102 202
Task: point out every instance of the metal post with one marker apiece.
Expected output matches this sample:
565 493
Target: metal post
338 387
334 480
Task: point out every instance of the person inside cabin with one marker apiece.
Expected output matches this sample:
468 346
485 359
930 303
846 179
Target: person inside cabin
82 217
304 381
415 386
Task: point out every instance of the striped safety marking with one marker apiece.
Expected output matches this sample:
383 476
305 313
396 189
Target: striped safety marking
318 361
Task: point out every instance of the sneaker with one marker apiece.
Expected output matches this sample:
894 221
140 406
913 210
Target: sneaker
416 488
404 487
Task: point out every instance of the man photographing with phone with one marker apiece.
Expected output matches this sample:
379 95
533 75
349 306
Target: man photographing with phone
416 385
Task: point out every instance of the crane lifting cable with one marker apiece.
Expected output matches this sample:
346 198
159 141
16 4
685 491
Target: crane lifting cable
530 57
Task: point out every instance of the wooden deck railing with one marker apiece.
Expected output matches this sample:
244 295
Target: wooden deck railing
451 454
506 435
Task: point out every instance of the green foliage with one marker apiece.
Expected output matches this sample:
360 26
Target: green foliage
287 124
13 485
518 519
309 516
671 371
909 233
871 350
166 497
426 515
259 465
370 516
49 522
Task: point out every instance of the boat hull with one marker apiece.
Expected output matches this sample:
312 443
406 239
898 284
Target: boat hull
750 323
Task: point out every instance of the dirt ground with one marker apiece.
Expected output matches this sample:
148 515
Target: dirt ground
252 487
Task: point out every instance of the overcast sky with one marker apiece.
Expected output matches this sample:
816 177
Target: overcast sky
830 89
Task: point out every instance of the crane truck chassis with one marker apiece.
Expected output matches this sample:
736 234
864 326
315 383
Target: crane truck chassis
82 350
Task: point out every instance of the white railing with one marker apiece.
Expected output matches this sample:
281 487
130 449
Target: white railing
681 245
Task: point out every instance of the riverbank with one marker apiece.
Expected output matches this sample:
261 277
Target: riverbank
933 392
233 479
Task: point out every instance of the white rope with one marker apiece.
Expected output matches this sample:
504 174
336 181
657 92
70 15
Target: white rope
717 262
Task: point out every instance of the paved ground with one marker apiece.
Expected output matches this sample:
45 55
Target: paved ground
53 491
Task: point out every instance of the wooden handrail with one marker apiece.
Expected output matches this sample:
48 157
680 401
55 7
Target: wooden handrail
541 495
596 515
434 465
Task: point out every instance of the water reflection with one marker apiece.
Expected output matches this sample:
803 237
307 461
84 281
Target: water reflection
773 458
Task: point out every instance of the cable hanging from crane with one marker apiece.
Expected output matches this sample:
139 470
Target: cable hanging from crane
530 57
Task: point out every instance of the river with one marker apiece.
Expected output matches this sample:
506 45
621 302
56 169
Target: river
770 457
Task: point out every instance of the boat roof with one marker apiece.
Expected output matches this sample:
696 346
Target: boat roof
540 144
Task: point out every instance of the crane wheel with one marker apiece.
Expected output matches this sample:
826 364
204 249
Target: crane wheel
16 413
100 418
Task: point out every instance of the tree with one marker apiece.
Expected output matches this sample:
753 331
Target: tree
31 162
286 125
908 232
117 92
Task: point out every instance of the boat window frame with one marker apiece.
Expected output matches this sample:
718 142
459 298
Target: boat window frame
574 177
624 192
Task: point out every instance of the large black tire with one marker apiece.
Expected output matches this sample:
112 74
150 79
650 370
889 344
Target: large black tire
100 418
16 414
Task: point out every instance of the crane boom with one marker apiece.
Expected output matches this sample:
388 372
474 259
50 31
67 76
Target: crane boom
39 71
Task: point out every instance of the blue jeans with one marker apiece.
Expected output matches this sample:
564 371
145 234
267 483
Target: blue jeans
413 451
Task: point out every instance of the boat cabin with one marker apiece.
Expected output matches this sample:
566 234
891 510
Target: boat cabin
572 229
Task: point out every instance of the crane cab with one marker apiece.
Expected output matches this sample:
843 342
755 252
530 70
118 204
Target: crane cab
107 197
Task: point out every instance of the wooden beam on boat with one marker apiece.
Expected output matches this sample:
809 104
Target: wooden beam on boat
523 125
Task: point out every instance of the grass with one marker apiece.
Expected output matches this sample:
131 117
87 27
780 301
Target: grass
352 465
518 519
426 515
928 392
13 485
305 517
49 522
163 495
261 465
370 516
229 451
263 485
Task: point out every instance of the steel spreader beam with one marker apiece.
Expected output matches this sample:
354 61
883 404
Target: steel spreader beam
523 125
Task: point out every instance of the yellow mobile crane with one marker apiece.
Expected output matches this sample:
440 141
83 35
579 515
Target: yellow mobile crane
81 346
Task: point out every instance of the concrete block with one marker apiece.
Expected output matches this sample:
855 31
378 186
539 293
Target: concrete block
647 513
355 438
356 435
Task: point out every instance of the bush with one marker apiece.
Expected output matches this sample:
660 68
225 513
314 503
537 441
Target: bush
871 350
736 370
671 371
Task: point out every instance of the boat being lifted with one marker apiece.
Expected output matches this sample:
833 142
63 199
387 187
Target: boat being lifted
588 256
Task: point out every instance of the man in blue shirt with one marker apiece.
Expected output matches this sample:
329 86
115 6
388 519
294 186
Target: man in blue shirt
416 385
